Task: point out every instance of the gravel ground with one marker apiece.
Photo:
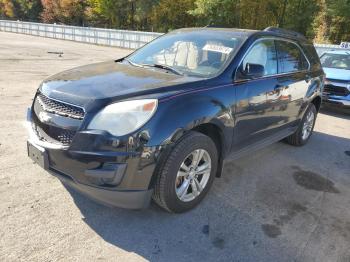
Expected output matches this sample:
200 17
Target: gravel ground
281 203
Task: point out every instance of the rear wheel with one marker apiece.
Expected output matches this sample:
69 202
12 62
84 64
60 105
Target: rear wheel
305 129
185 176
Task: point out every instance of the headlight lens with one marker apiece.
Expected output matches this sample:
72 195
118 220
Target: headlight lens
124 117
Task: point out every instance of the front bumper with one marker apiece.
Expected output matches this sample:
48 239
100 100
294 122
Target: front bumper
342 101
138 199
120 178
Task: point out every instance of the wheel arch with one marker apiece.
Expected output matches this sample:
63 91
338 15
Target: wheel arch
317 102
215 133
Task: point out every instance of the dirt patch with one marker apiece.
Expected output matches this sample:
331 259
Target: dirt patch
219 243
270 230
205 229
274 230
292 211
313 181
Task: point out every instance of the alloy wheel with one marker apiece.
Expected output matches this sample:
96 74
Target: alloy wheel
193 175
308 125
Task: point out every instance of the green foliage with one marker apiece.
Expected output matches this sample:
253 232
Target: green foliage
217 12
21 9
293 14
63 11
322 20
170 14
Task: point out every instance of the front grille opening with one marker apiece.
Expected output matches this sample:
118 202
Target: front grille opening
52 134
60 108
336 90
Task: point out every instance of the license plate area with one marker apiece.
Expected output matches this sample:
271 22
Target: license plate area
38 155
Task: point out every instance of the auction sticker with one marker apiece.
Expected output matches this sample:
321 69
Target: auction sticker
218 48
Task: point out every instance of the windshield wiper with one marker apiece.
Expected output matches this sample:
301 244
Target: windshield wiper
161 66
132 63
165 67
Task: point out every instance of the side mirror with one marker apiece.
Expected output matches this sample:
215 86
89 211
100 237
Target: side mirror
253 71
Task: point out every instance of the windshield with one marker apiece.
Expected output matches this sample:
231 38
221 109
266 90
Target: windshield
199 53
340 61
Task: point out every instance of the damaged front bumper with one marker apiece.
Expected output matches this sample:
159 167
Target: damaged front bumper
120 178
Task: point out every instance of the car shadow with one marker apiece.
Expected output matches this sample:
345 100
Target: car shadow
238 220
336 112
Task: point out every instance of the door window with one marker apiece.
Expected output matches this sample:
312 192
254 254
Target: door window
290 58
262 53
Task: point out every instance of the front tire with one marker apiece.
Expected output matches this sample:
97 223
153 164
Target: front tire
305 129
187 173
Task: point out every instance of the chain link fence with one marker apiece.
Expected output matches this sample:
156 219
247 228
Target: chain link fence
99 36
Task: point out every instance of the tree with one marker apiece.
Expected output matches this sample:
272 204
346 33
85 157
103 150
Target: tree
217 12
63 11
111 13
170 14
323 20
20 9
339 10
7 9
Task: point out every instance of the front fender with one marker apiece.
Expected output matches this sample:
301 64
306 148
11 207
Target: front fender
176 116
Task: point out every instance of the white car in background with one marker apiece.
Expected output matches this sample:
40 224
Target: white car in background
336 65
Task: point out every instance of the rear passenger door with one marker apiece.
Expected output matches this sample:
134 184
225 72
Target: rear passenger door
293 80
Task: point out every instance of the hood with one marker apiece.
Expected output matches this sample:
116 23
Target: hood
337 74
108 80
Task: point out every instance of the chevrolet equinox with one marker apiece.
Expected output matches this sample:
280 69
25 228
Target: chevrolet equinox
159 123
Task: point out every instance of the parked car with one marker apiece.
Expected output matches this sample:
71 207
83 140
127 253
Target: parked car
336 65
160 122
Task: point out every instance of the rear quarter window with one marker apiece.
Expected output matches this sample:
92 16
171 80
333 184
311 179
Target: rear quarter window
312 55
290 57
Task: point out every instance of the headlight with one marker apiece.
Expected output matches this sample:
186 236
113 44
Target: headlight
124 117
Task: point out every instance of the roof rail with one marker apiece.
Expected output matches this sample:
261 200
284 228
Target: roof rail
284 32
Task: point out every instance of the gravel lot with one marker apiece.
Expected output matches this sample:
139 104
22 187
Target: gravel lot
281 203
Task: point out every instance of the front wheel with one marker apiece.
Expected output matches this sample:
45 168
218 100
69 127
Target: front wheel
185 176
305 129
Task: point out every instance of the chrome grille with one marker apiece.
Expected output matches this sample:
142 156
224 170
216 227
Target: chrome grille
60 108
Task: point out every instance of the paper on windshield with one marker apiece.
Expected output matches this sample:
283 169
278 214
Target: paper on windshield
218 48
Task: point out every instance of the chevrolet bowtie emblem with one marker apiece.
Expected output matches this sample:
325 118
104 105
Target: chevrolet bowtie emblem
44 117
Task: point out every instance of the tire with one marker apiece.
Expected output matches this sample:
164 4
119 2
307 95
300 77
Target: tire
298 138
168 184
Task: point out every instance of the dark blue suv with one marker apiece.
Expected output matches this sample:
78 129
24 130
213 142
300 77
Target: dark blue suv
160 122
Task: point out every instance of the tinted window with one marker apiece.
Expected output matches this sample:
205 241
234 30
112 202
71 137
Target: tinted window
290 58
312 56
262 53
340 61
